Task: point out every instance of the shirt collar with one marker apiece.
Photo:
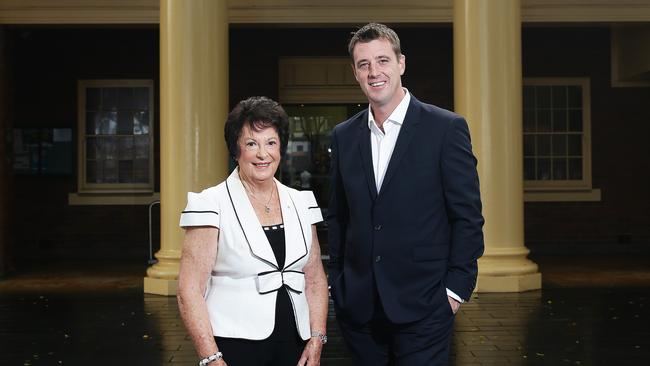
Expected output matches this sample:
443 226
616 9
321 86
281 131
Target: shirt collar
398 115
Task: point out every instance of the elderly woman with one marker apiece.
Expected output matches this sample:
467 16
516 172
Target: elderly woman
252 290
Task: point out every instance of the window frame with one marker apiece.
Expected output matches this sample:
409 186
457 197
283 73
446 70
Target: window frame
555 186
84 187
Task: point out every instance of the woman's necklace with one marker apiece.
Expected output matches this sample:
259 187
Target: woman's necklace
267 205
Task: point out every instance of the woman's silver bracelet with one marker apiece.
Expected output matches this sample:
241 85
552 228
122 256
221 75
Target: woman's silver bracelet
320 335
211 358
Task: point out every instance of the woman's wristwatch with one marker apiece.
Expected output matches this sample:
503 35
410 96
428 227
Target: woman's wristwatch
320 335
214 357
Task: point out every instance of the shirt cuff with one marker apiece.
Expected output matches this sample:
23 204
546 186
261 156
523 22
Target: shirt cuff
453 295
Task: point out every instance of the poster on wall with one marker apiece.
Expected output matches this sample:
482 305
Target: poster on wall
26 150
42 151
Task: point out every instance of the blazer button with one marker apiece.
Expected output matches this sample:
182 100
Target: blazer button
377 227
377 259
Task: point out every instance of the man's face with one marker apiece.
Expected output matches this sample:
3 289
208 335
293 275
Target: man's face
378 71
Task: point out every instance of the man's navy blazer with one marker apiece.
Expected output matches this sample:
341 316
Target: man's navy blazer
420 234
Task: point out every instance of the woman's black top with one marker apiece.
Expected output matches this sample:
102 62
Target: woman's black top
285 322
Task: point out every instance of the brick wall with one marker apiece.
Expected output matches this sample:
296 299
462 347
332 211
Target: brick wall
620 152
48 62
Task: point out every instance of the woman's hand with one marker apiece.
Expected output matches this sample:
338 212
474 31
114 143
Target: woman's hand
311 353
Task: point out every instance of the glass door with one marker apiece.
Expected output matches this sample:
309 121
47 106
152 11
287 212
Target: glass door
307 162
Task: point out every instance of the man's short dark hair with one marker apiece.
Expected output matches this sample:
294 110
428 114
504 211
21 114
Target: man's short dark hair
258 113
372 31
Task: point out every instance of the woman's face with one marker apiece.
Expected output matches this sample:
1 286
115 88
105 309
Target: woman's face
259 154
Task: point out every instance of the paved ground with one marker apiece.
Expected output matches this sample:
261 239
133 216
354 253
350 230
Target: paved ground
595 313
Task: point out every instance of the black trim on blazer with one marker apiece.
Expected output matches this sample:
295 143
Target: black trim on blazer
292 290
268 272
244 232
272 291
302 231
289 287
283 283
293 308
275 290
309 208
294 271
214 212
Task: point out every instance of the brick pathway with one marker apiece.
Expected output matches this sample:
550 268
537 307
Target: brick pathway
115 324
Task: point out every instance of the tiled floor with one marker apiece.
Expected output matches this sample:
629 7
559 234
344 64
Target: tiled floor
595 312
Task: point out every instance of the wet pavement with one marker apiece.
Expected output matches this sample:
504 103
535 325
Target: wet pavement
597 313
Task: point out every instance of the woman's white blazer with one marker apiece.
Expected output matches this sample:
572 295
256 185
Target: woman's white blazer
245 279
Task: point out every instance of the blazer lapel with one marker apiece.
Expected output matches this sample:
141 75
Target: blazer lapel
251 227
406 133
366 154
295 234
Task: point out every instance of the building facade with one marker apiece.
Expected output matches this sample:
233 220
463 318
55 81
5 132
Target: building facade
109 106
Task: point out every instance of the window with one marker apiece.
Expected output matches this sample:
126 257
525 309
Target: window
115 136
557 138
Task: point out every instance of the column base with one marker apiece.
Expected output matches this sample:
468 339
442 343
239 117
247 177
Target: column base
507 270
160 286
513 283
162 277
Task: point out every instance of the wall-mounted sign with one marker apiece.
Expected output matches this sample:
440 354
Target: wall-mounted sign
44 151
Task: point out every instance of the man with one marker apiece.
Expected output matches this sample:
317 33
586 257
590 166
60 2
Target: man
405 223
